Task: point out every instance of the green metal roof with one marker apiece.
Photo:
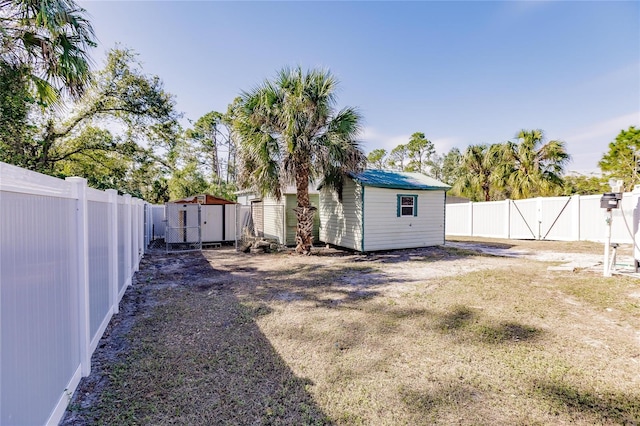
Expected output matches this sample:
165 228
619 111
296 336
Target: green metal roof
398 180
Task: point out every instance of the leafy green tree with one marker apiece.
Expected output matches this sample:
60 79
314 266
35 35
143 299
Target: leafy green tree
52 39
435 166
187 181
398 157
622 161
451 166
129 169
478 177
159 193
139 147
290 131
121 95
377 159
584 185
211 137
15 104
419 150
534 168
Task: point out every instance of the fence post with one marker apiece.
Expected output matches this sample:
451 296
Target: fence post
539 207
636 227
575 217
135 223
113 250
128 270
82 268
471 218
507 218
142 237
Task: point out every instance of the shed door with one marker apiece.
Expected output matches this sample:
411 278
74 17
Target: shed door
212 223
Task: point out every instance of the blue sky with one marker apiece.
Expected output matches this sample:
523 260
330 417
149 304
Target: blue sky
461 72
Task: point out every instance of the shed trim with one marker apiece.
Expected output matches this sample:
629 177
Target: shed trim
362 230
444 219
398 180
399 204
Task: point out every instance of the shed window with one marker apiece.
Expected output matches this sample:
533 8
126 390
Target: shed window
407 205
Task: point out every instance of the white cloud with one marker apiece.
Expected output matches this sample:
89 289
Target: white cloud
607 129
444 145
588 144
373 140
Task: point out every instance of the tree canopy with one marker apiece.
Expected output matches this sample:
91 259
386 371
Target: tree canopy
622 160
531 167
52 40
522 168
118 134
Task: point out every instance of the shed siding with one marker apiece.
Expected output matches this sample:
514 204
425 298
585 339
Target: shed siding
341 222
383 228
273 216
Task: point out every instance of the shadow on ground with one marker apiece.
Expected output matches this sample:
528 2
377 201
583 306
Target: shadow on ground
193 356
607 407
470 325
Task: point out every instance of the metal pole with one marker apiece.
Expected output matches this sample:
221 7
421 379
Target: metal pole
607 244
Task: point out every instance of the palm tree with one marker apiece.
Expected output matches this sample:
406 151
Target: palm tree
51 38
290 132
536 167
479 171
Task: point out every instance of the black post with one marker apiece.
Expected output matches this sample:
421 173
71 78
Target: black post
224 214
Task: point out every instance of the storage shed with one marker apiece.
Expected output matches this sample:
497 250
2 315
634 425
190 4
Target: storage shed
275 219
202 217
383 210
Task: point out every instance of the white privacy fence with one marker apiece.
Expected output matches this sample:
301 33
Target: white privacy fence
67 255
576 218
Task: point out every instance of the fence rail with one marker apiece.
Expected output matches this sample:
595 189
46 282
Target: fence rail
575 218
67 255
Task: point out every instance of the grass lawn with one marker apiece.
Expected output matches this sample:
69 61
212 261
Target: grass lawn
426 336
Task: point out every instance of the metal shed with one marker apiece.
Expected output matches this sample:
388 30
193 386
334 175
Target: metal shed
383 210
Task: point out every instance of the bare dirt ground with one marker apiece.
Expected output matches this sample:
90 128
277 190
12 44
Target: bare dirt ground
458 334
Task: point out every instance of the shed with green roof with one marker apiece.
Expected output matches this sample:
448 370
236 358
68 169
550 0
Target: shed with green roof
384 210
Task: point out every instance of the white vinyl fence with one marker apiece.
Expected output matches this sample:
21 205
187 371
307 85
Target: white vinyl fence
67 255
576 218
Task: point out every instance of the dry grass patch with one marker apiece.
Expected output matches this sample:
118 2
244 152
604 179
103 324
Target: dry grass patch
588 247
429 336
493 346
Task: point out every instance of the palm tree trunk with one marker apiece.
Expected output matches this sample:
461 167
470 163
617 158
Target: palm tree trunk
304 211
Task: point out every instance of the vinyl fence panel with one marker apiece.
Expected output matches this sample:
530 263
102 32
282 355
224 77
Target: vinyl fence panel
576 218
591 218
39 338
122 261
523 216
555 218
622 220
99 266
490 219
158 222
62 247
458 220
